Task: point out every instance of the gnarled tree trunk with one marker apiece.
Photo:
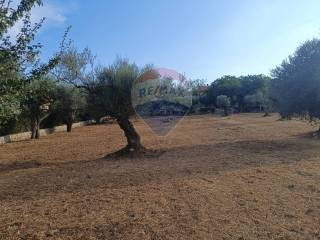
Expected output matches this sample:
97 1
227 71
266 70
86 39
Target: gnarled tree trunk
70 121
35 128
69 126
36 121
133 138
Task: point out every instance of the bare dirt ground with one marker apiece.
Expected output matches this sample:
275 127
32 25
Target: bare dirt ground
243 177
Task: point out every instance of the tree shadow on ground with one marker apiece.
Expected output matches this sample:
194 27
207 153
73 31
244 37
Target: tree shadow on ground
311 135
174 163
19 165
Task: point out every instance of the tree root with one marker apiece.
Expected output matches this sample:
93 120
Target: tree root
128 152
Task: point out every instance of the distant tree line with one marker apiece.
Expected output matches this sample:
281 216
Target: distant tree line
71 86
241 94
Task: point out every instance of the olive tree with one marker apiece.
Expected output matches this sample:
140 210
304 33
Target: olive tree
70 101
40 95
295 88
113 85
224 102
259 100
95 107
108 87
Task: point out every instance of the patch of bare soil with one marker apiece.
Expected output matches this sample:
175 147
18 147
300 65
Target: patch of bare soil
239 177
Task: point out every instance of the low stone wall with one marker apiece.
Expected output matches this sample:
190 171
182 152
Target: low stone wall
43 132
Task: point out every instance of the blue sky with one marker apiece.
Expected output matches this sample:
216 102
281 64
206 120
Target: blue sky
202 39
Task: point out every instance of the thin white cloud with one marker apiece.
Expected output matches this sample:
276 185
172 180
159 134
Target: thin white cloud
54 15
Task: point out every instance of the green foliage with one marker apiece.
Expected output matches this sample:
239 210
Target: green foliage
76 68
259 101
197 87
228 85
10 98
253 85
39 102
96 105
113 87
70 102
254 99
238 89
108 89
40 95
19 61
9 16
295 88
224 102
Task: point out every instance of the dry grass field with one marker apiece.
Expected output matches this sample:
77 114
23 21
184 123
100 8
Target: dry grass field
242 177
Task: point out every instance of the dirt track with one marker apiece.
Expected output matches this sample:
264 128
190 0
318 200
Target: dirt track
244 177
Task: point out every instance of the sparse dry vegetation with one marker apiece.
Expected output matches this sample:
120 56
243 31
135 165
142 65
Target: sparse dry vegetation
239 177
